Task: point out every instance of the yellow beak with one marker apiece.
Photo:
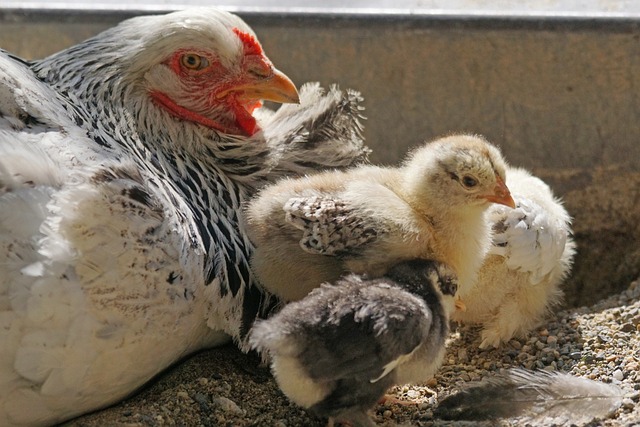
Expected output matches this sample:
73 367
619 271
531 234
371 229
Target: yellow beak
501 194
460 305
277 88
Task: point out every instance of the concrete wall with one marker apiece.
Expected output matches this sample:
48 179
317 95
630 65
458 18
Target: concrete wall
560 96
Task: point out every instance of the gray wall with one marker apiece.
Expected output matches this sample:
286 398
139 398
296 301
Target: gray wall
553 94
560 96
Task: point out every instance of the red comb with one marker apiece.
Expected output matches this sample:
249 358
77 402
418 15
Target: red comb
251 45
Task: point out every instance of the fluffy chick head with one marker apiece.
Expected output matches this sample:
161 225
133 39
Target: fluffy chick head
456 172
424 277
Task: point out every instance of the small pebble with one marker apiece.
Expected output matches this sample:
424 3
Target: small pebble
628 403
203 400
432 382
226 405
183 395
463 355
618 375
413 394
628 327
223 387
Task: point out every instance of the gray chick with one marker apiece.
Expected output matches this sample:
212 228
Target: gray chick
336 351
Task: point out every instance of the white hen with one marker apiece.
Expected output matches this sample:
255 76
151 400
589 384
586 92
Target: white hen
123 163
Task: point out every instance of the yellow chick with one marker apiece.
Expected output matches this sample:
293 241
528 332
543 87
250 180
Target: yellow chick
312 230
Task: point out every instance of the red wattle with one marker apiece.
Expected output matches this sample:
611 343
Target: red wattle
243 115
246 124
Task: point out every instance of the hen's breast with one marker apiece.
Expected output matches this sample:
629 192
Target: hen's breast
97 278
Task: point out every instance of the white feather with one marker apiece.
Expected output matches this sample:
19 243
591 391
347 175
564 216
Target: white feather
395 363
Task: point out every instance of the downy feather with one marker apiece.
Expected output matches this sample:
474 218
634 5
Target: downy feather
537 396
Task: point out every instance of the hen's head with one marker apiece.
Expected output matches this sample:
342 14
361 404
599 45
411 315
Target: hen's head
456 172
203 66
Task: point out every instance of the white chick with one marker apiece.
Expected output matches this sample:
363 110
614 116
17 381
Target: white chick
337 351
531 254
312 230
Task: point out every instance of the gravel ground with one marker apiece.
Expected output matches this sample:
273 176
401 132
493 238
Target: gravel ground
223 387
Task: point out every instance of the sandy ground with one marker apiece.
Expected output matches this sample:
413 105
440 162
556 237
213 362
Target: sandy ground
224 387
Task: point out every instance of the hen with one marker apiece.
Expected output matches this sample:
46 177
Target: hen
123 163
530 255
311 230
339 349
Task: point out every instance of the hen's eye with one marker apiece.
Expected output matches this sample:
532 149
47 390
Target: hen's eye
193 61
469 181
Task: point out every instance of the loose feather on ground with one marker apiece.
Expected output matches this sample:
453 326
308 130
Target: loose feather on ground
535 397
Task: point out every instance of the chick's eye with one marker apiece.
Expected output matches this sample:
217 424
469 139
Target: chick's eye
469 181
193 61
449 287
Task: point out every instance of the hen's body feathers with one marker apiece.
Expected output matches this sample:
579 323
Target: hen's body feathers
121 248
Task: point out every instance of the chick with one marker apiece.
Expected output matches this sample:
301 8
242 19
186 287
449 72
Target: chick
337 351
530 255
312 230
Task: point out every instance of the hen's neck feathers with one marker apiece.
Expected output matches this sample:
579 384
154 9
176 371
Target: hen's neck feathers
183 162
122 108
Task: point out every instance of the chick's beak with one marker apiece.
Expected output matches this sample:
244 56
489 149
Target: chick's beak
501 194
276 87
